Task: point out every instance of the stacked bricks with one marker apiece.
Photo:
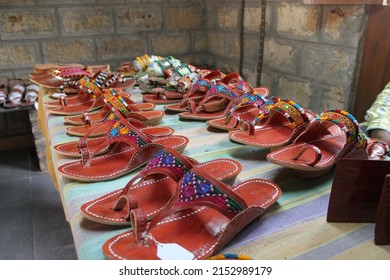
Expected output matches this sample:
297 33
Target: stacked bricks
311 52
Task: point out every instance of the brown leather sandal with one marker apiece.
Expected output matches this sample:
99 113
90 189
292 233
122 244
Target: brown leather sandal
203 216
130 150
153 187
90 140
282 122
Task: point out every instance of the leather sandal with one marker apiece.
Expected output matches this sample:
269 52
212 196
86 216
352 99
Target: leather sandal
115 99
197 91
129 150
219 99
153 188
94 100
83 90
56 78
251 105
282 122
14 98
204 216
333 135
92 140
30 95
3 92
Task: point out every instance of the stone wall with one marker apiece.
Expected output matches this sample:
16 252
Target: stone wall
311 52
97 31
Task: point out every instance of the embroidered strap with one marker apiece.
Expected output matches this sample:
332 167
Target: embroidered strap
288 108
115 101
255 99
347 123
217 90
93 85
121 131
198 188
166 161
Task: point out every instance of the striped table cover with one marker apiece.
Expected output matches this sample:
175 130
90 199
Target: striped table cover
294 228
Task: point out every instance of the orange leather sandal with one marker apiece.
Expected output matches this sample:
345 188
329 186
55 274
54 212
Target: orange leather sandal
153 188
251 105
95 100
197 92
334 134
129 150
203 216
83 94
282 122
218 101
90 140
114 99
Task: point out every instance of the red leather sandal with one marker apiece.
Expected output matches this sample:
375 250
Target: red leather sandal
251 105
282 122
203 216
197 92
219 99
153 188
114 99
130 149
333 135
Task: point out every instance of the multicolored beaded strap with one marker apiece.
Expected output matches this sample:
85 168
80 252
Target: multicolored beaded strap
288 108
114 101
217 89
252 98
93 86
347 123
201 84
121 130
195 188
168 161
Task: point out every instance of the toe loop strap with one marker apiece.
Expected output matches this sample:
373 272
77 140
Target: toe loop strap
317 154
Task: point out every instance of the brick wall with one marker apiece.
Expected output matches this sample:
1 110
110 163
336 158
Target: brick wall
311 52
97 31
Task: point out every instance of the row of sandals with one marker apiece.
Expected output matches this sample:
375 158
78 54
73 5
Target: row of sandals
172 190
18 93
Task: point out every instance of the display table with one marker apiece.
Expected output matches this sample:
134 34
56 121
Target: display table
294 228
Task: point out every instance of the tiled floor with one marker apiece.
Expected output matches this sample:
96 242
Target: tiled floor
32 222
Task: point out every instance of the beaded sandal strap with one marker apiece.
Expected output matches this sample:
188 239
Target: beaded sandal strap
198 188
217 90
347 123
288 108
114 101
253 98
93 85
202 84
166 161
121 131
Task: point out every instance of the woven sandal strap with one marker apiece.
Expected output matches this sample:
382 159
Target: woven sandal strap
201 84
167 162
218 90
255 98
198 188
288 108
115 101
347 123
